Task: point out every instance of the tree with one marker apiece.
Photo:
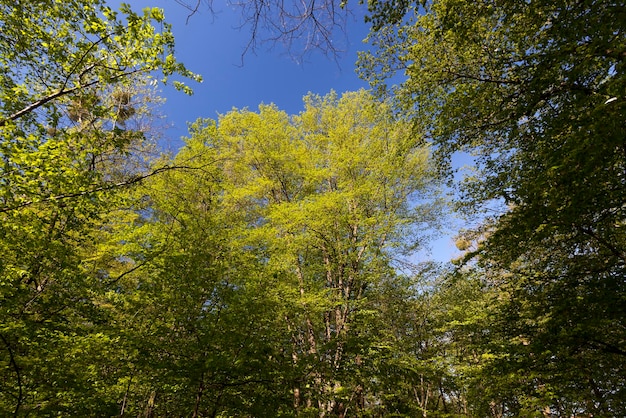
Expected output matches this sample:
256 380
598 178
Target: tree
67 142
65 92
197 312
273 249
358 171
534 90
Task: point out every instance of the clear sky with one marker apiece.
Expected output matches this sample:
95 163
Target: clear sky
212 45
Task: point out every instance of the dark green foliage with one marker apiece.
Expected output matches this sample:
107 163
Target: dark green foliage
535 91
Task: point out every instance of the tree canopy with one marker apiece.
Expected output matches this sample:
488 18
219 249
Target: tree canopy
70 137
265 268
305 213
535 91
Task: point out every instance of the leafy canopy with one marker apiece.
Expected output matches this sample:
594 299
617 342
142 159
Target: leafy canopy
74 79
535 92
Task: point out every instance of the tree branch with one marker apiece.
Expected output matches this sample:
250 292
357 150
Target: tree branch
62 92
103 188
20 396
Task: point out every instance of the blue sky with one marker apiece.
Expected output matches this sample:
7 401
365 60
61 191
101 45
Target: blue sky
212 45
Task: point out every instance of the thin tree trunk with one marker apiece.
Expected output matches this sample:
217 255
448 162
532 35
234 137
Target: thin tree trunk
150 405
20 395
198 396
125 400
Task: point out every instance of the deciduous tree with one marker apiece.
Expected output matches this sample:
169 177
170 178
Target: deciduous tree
66 106
284 236
535 91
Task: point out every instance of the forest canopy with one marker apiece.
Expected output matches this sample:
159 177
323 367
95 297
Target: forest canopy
265 268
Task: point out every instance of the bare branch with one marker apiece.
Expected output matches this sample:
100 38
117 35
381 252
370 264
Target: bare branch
302 26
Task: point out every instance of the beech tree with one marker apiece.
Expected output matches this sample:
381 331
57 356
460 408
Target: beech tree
278 241
68 72
534 90
354 167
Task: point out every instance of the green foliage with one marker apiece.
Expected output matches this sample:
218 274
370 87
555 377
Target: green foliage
70 104
269 251
257 274
64 68
535 92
